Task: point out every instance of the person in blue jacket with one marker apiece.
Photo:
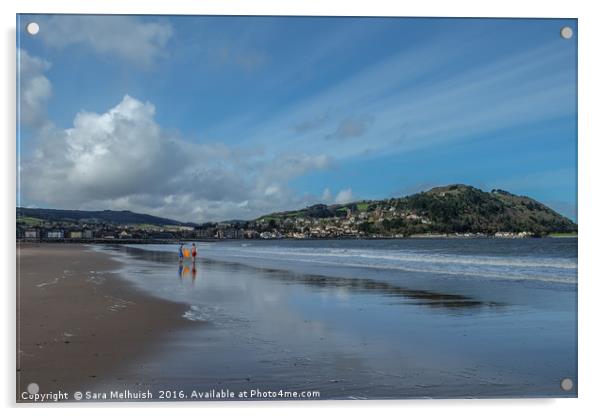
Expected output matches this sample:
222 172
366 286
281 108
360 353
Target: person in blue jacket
181 252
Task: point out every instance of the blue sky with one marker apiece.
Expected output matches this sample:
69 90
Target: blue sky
211 118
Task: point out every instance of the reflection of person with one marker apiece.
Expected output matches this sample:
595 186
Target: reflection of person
193 252
181 252
193 271
180 271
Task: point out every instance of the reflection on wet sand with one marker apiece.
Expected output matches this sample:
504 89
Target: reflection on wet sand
350 331
419 297
187 271
432 299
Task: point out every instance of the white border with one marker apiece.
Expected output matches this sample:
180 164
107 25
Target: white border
589 192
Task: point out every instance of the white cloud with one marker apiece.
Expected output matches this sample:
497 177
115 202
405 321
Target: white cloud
272 190
344 196
313 123
416 110
352 126
34 89
326 195
248 59
129 38
122 159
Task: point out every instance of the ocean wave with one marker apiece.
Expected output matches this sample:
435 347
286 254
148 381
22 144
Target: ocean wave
215 314
481 273
197 314
416 257
511 267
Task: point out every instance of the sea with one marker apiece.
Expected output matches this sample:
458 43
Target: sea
364 319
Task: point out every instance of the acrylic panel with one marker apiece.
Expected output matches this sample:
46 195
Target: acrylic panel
295 208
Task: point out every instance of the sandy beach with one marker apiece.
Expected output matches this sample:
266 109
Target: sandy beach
77 321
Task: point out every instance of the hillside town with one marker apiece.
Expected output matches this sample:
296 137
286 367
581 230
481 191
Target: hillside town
460 211
349 223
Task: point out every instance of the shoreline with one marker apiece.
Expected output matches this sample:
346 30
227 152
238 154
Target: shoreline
109 242
78 320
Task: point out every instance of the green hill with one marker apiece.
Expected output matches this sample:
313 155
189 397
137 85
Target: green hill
32 215
446 209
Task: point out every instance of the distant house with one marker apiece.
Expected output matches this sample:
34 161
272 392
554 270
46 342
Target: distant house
32 233
124 234
251 234
206 233
88 234
232 233
55 234
76 234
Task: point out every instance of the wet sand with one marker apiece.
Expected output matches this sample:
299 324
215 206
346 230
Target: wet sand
350 332
78 321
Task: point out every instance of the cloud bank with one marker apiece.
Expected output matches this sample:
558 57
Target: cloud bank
126 37
346 195
123 159
351 127
35 89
